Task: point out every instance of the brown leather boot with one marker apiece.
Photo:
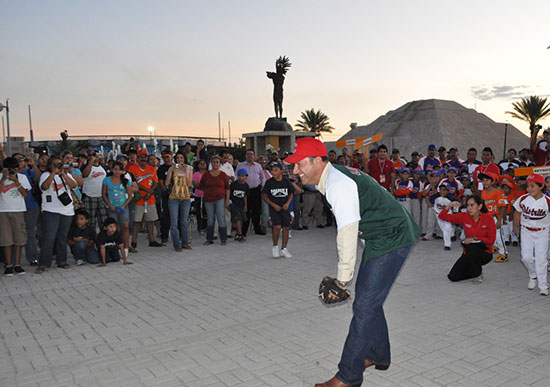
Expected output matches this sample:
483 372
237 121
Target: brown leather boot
335 382
380 367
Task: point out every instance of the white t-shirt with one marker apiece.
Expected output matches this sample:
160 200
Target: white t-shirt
11 199
534 213
226 168
93 183
50 202
343 196
440 203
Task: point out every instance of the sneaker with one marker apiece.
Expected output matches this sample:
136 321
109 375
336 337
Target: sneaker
164 241
477 280
507 243
34 262
447 248
532 283
501 258
495 248
544 292
425 239
320 226
154 244
304 227
132 250
242 239
19 270
275 252
289 234
79 262
9 271
285 253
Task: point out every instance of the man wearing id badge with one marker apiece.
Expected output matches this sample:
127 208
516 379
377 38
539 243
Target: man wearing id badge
382 169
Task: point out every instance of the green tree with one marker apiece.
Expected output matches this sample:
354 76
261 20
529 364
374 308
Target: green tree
531 109
314 121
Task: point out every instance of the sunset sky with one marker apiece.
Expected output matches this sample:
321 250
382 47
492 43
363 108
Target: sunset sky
104 67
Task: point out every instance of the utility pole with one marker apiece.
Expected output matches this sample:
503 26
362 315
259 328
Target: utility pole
229 132
7 123
30 124
219 127
3 131
505 135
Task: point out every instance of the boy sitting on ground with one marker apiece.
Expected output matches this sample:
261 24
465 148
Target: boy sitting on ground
81 239
110 244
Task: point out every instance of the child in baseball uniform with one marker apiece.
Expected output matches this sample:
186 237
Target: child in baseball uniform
416 195
442 200
533 209
508 224
496 205
403 188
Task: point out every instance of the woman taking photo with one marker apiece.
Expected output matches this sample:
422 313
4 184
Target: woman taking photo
199 196
215 185
178 181
117 194
480 231
57 213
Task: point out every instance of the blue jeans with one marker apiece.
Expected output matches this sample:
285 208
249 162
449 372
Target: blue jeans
31 221
82 251
179 214
368 332
55 231
216 210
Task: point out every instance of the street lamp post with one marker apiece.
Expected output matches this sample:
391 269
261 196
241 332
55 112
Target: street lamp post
151 130
505 135
7 123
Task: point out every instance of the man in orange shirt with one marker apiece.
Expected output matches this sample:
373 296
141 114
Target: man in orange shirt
146 210
495 201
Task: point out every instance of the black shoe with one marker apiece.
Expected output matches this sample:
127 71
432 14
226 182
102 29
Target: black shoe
298 228
447 248
19 270
34 262
9 271
507 243
230 236
154 244
304 227
164 241
260 232
320 226
515 244
438 237
453 239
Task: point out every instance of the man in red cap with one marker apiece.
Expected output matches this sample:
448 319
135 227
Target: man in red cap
361 207
533 209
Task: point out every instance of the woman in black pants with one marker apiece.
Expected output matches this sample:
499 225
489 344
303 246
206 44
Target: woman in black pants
480 231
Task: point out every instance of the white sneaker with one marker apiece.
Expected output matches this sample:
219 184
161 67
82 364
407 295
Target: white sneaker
79 262
289 234
276 252
285 253
544 292
532 283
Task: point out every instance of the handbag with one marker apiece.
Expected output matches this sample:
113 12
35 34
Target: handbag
78 204
64 198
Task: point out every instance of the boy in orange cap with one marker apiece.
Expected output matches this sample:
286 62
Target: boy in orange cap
496 206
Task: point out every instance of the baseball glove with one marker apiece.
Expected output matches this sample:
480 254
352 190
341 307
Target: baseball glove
328 286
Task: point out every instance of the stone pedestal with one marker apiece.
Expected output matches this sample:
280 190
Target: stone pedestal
275 124
277 132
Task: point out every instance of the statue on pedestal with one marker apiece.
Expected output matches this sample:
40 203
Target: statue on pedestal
281 67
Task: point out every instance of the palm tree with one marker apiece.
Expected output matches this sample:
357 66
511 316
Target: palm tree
314 121
531 109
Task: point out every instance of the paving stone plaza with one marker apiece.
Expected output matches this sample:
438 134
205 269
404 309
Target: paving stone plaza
233 316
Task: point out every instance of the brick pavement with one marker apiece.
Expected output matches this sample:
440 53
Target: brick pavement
233 316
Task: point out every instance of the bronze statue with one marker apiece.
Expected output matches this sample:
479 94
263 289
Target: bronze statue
281 67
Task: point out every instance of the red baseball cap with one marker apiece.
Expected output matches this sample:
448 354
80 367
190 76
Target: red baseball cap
536 178
142 152
307 147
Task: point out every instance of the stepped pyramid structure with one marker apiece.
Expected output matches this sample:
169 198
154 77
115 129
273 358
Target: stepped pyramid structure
417 124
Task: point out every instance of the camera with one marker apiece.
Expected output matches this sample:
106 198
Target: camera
75 165
66 166
11 171
538 127
178 165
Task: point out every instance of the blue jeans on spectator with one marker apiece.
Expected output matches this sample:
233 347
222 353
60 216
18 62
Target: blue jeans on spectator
179 214
265 213
55 231
31 222
368 332
82 251
215 210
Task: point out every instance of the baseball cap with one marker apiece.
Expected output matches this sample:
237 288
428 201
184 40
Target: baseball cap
415 153
276 164
307 147
488 175
442 149
432 146
455 148
142 152
452 169
546 131
535 178
268 147
395 150
242 171
166 154
418 170
121 156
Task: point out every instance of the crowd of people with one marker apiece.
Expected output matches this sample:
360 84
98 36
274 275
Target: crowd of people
96 208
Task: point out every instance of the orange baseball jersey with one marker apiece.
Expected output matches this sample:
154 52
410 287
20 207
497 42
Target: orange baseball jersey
511 199
494 201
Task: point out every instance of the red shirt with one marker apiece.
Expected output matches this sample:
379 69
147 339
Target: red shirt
484 230
541 157
214 187
492 167
381 171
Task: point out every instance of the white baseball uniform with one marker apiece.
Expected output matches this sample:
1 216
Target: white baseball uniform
535 231
446 227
